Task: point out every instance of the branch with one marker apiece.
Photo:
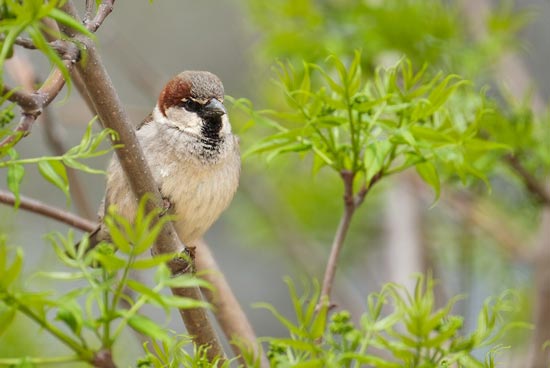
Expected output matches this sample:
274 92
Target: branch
531 183
90 6
227 309
62 47
132 160
104 9
351 202
27 101
32 104
46 210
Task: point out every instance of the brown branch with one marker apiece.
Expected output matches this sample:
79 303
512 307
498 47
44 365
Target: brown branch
227 309
27 101
44 209
531 183
63 48
43 97
90 6
104 9
351 202
132 160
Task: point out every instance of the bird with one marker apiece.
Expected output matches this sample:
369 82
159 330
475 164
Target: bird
192 153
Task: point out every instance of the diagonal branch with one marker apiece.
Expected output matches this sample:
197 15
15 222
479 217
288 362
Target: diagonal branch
27 101
132 160
52 212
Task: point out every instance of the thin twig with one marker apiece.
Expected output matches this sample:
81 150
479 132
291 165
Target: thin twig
132 160
88 14
63 48
103 10
27 101
52 212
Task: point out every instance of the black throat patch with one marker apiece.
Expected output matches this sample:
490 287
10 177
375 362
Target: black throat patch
211 135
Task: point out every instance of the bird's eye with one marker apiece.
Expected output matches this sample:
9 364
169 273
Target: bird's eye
190 105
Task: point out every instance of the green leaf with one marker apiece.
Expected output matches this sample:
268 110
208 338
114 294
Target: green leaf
110 261
375 156
149 328
315 363
187 281
67 20
118 237
142 264
55 172
145 290
7 316
71 162
64 276
287 323
428 173
371 360
184 303
70 313
14 177
13 271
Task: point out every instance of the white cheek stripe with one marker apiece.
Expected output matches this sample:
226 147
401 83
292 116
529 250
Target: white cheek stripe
192 128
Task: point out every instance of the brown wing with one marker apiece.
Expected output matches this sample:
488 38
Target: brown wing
145 121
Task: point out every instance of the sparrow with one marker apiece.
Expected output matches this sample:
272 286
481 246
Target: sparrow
192 153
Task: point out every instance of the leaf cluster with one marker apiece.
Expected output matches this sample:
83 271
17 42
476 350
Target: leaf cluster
171 355
406 325
375 127
97 308
515 124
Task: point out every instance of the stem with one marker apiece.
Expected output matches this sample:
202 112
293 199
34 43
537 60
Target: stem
339 238
116 298
107 312
351 203
337 244
132 311
353 135
39 361
72 344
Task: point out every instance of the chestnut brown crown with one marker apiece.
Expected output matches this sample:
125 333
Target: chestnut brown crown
197 85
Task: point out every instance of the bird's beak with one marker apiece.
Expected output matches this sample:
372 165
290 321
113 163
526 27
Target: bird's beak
214 108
